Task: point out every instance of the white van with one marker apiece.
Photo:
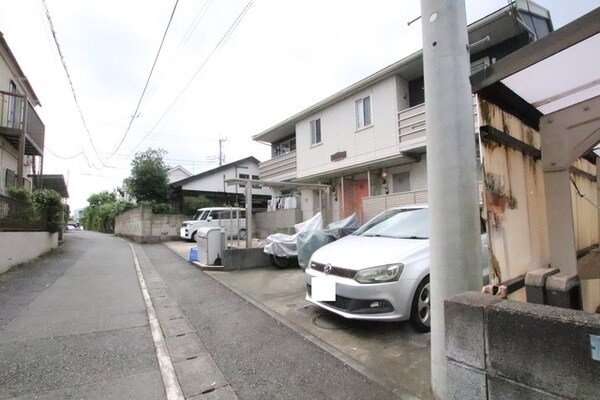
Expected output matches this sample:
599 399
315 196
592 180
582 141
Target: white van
233 219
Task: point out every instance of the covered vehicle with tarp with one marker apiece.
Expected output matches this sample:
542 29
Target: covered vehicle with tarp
309 241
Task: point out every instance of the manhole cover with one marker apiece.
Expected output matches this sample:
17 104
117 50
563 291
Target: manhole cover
329 321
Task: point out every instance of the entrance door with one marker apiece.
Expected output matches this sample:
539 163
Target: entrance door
354 192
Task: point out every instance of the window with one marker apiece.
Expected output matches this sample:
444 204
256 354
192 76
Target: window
256 178
284 147
315 131
244 176
363 112
401 182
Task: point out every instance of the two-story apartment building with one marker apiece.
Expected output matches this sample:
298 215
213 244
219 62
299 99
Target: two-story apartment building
21 129
368 141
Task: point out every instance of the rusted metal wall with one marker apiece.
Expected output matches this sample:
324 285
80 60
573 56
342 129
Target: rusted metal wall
515 206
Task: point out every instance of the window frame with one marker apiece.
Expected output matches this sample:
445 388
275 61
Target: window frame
316 132
363 117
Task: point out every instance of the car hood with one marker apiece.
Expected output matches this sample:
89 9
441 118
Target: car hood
359 252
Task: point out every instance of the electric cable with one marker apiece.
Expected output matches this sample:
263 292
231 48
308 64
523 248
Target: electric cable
62 60
221 42
583 196
186 38
147 81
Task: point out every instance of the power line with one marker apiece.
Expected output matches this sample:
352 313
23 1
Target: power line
80 153
221 42
62 60
186 38
147 81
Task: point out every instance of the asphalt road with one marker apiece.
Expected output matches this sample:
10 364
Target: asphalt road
74 325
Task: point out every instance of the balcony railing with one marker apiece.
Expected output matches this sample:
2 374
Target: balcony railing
412 126
13 123
280 168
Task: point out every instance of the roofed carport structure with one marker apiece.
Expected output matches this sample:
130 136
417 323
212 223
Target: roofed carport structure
249 183
553 86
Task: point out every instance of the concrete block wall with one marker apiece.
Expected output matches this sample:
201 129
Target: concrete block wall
143 226
21 247
502 349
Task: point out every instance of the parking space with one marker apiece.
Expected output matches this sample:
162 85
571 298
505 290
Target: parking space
392 351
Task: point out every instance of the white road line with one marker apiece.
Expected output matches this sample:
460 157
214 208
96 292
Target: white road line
167 371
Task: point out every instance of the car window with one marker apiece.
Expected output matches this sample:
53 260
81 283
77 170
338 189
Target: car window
401 224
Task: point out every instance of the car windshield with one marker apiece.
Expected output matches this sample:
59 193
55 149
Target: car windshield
399 224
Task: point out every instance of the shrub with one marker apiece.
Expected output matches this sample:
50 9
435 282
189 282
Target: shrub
48 206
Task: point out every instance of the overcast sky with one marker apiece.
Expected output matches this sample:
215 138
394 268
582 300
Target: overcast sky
280 57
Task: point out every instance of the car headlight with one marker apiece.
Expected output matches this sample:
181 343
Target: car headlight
381 274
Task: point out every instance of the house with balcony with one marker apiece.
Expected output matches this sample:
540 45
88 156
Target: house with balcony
21 129
368 141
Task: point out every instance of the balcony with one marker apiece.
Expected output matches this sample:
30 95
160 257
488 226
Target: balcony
280 168
16 120
412 126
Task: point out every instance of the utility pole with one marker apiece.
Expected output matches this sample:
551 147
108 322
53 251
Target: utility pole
221 149
455 243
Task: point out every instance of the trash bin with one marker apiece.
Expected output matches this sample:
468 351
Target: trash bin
535 284
564 291
211 244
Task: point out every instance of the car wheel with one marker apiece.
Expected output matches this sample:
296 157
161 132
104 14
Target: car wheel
242 234
420 314
193 239
280 262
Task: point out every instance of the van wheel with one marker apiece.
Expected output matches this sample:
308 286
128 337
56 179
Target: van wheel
242 234
420 315
193 239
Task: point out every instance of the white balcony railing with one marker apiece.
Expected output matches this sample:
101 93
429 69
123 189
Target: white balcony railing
279 168
412 126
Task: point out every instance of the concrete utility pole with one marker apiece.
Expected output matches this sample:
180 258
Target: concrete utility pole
455 244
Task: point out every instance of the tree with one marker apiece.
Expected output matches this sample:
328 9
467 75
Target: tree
102 210
148 180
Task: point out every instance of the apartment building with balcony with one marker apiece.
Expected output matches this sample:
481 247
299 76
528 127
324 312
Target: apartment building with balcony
21 129
368 141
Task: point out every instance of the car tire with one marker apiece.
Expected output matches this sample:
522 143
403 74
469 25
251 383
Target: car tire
193 238
280 262
420 315
242 234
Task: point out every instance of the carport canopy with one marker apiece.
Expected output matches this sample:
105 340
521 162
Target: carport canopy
248 183
553 85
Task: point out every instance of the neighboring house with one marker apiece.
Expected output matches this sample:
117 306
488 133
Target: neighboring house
211 184
368 141
177 173
21 129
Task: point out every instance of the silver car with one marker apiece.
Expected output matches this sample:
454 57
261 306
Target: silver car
381 272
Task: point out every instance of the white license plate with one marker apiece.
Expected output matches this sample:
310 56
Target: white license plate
323 288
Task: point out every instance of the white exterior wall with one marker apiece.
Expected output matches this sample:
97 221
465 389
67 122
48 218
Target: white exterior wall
8 154
418 174
176 174
215 182
8 160
338 132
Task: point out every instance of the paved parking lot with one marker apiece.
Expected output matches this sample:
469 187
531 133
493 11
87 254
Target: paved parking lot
391 352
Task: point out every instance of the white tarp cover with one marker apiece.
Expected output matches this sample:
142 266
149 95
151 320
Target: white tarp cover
282 245
310 241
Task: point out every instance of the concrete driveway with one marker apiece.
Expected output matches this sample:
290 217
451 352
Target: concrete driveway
392 353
